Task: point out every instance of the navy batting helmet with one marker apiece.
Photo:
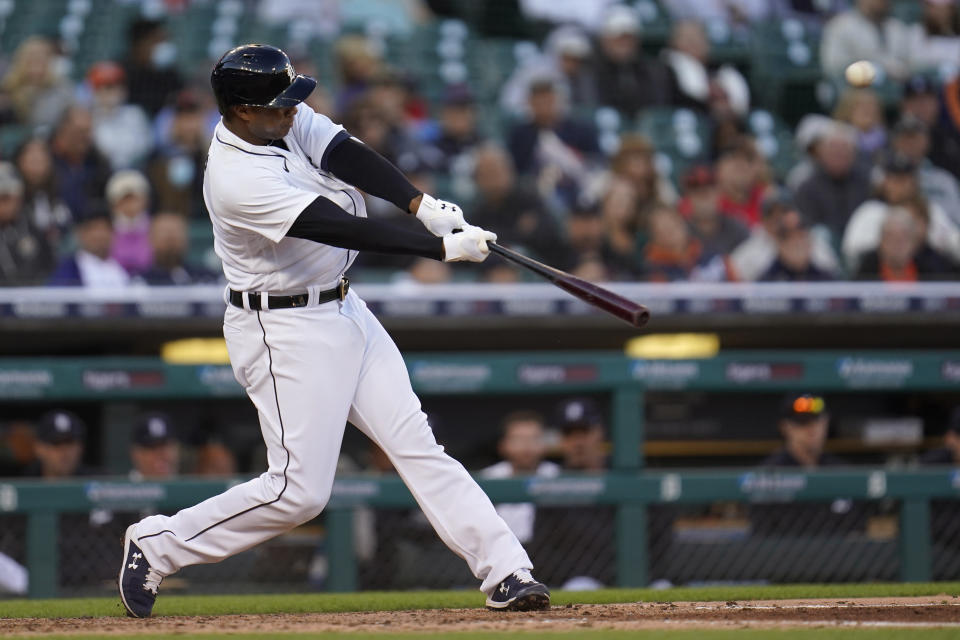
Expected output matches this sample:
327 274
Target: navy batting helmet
258 75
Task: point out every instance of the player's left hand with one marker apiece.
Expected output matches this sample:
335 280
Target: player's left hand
439 216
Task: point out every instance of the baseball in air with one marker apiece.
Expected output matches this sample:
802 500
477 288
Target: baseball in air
861 73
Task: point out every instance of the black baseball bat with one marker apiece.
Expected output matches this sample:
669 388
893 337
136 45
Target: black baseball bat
627 310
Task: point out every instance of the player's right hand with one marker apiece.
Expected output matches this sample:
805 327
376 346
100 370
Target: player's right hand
468 245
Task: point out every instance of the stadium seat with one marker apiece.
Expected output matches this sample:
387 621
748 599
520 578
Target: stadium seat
786 68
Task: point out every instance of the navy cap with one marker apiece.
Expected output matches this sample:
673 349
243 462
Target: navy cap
458 95
154 429
60 427
578 414
919 85
898 163
802 407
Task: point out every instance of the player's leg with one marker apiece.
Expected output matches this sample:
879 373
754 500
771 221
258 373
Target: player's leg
386 409
299 368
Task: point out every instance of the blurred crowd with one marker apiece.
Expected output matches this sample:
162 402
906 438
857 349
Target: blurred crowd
106 187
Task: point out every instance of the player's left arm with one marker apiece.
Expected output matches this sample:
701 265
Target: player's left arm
355 163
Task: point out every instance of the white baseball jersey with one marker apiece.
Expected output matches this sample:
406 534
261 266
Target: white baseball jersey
254 193
308 370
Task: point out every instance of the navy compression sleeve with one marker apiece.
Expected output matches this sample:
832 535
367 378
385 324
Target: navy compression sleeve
325 222
357 164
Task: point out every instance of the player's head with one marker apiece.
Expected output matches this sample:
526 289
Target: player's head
257 84
582 443
803 423
155 451
59 444
522 441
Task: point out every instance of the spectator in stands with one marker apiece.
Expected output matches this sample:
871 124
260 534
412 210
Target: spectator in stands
810 131
738 14
898 257
718 234
176 167
838 184
80 169
91 265
921 99
626 78
458 136
803 425
935 40
866 32
949 453
566 59
59 446
155 448
358 64
34 87
523 447
634 188
121 131
898 186
553 148
741 176
517 213
128 194
861 109
911 139
756 255
585 237
48 213
26 256
672 253
935 260
169 241
149 66
694 81
794 261
812 14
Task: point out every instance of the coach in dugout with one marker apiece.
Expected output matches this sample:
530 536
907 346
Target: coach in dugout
803 425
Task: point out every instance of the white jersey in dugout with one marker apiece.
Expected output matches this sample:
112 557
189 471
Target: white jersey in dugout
254 193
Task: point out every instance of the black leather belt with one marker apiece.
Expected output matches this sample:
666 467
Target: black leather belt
290 302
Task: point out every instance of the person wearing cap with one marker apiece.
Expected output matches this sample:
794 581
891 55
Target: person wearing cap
910 138
27 256
81 171
523 447
626 78
566 58
121 131
155 448
803 426
794 261
60 437
866 31
574 545
128 194
898 185
718 234
754 256
949 453
922 99
458 133
809 132
551 146
838 184
91 265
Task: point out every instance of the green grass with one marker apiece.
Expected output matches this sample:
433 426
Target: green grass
184 605
695 634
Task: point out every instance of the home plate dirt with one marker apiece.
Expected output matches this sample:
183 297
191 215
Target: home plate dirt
935 611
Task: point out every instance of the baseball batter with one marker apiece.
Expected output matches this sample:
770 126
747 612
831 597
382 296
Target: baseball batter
281 186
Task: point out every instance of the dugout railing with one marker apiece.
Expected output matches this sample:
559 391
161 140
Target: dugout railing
632 493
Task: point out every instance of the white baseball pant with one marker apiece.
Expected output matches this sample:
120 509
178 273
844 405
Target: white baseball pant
308 370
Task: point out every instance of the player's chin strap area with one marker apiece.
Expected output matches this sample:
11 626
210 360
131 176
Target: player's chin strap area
261 300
